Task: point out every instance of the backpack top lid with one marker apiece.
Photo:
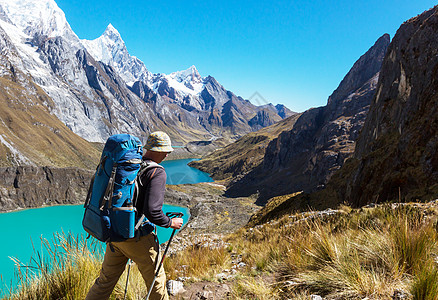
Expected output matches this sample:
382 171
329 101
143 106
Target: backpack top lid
119 148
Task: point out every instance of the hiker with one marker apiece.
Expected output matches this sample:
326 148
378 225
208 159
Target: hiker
143 250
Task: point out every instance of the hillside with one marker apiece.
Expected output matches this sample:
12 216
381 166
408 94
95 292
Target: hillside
238 158
33 136
29 133
382 252
311 147
396 154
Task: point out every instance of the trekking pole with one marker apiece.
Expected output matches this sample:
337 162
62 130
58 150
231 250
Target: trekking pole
170 215
127 278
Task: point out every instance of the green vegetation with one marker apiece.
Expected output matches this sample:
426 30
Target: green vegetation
344 254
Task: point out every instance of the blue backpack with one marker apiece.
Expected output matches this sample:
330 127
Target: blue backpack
110 213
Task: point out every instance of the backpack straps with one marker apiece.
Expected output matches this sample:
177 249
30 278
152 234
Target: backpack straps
107 197
90 189
145 166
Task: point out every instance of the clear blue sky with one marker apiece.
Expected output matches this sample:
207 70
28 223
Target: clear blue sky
290 52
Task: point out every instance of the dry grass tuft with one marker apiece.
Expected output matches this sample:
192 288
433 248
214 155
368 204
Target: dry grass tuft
371 253
197 262
253 288
66 269
354 253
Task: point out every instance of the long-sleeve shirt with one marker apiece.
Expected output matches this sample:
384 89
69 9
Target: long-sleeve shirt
151 196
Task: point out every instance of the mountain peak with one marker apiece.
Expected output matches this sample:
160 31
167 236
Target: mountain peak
384 38
108 46
110 27
112 33
42 17
188 77
110 49
363 69
193 69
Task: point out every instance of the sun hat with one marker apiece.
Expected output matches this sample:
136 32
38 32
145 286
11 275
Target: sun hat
159 141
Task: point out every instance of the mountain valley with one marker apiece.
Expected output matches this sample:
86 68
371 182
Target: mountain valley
311 147
336 202
98 89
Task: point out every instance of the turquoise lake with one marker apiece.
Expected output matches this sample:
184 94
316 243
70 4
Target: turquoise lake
22 230
178 172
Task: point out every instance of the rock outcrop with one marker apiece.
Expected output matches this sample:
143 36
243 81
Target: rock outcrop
305 156
31 187
396 156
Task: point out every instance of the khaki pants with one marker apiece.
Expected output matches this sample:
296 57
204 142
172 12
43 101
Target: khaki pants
144 253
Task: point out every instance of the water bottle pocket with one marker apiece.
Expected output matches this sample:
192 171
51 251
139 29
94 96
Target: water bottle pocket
123 221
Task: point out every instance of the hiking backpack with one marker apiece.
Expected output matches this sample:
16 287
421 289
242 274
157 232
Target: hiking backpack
110 213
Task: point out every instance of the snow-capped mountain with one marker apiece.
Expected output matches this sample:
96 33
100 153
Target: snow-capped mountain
183 87
96 88
37 18
33 37
190 78
110 49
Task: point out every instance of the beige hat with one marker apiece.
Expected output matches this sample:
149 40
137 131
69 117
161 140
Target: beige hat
159 141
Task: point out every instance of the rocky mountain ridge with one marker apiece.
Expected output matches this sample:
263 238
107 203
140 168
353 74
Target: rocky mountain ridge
396 156
99 89
304 156
239 158
187 88
29 133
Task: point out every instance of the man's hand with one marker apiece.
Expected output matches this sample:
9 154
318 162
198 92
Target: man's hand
176 223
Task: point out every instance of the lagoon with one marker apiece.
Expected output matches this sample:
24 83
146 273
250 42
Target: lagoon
178 172
22 230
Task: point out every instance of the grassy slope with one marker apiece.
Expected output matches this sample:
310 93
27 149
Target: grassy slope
344 254
372 253
26 124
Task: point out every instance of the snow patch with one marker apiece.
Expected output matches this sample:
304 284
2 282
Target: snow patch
17 157
38 16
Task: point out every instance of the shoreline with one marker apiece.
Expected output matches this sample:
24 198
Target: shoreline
19 209
27 187
209 211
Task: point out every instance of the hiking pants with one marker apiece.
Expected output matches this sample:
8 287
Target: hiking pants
144 253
